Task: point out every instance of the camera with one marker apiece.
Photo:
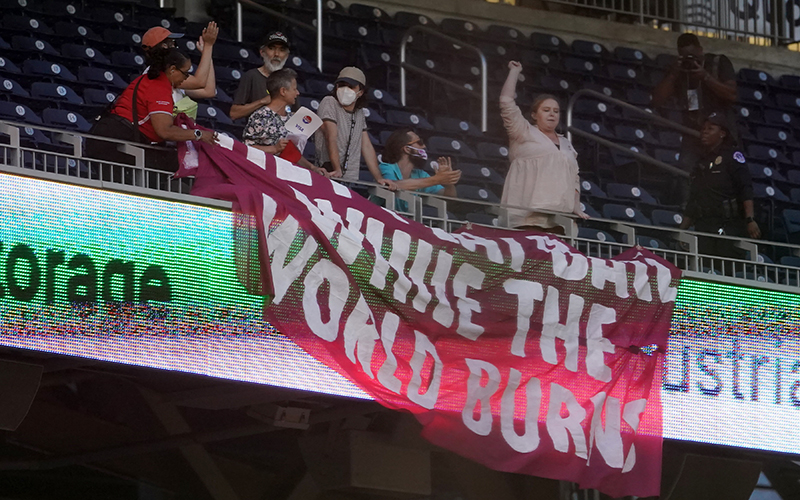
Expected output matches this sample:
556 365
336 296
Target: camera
689 62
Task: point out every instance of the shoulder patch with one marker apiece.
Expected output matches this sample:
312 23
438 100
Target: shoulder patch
738 156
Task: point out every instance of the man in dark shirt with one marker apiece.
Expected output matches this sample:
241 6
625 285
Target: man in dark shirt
252 91
721 195
698 84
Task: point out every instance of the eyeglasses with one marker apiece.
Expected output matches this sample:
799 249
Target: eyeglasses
186 74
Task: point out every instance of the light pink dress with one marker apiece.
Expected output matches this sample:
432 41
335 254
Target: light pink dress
541 175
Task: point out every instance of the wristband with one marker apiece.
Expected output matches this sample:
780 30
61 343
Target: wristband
749 220
198 134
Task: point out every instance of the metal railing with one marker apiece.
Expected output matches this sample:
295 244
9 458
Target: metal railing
274 13
641 112
432 210
410 67
767 20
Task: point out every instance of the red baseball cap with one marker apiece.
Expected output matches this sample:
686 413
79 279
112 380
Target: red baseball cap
156 35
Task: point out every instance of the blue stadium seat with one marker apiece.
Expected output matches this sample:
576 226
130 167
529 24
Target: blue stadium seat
629 55
666 218
15 112
650 242
638 97
374 117
635 135
624 213
405 119
13 88
589 107
622 73
756 77
110 17
301 65
409 19
765 153
100 76
791 223
8 67
76 32
369 12
448 125
669 156
751 95
227 75
778 117
594 127
791 82
228 53
98 97
3 44
553 84
61 8
447 146
547 42
25 24
770 193
492 151
55 92
581 66
590 211
309 102
504 35
62 118
592 190
585 48
468 192
358 32
129 60
33 46
590 233
473 173
212 115
460 28
319 88
772 135
84 53
629 192
122 38
46 69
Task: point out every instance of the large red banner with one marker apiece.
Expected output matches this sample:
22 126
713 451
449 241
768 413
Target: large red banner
512 348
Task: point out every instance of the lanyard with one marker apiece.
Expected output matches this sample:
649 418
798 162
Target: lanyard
349 141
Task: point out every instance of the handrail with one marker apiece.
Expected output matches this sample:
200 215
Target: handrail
630 107
406 66
279 15
646 114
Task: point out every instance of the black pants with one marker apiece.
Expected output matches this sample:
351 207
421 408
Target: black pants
717 246
116 127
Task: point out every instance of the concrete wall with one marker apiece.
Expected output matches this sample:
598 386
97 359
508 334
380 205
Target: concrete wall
776 61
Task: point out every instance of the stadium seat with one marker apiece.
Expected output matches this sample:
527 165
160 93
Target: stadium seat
300 65
629 55
669 156
766 192
504 35
405 119
76 32
449 125
129 60
101 76
778 117
666 218
791 223
594 127
8 86
309 102
622 73
590 211
45 69
408 19
84 53
624 213
25 24
447 146
585 48
212 115
369 12
33 46
55 92
650 242
751 95
473 173
62 118
756 77
592 190
547 42
228 53
14 112
478 193
765 153
374 117
628 192
492 151
635 135
98 97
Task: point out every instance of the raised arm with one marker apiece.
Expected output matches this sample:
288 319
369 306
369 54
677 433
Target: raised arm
206 45
510 86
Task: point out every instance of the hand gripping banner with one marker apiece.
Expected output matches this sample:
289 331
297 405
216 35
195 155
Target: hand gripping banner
511 348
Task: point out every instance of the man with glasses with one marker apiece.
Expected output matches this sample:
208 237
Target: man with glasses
404 156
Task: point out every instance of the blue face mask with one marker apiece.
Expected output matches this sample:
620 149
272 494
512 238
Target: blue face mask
418 153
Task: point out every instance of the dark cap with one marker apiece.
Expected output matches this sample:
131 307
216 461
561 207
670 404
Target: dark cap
276 37
719 119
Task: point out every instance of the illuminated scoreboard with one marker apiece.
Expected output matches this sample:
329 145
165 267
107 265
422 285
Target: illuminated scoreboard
135 280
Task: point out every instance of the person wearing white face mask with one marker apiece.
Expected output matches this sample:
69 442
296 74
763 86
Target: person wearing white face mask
544 167
252 91
404 156
342 139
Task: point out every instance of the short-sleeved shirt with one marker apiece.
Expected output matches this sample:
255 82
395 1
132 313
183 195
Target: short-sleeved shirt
720 67
392 172
252 87
351 127
265 127
719 176
152 97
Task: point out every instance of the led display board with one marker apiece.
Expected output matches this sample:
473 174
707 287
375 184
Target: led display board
135 280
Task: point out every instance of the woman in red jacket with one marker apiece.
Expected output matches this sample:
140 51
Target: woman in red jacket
143 114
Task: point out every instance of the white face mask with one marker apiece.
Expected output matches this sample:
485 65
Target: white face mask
346 96
418 153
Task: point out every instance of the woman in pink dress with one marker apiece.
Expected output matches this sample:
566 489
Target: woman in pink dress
544 167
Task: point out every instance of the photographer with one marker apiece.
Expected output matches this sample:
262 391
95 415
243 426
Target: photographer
701 84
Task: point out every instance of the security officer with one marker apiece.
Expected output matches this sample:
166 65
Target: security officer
721 193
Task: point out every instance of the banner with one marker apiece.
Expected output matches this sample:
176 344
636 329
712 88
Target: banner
511 348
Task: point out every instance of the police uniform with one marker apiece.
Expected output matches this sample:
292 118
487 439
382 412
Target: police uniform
720 184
